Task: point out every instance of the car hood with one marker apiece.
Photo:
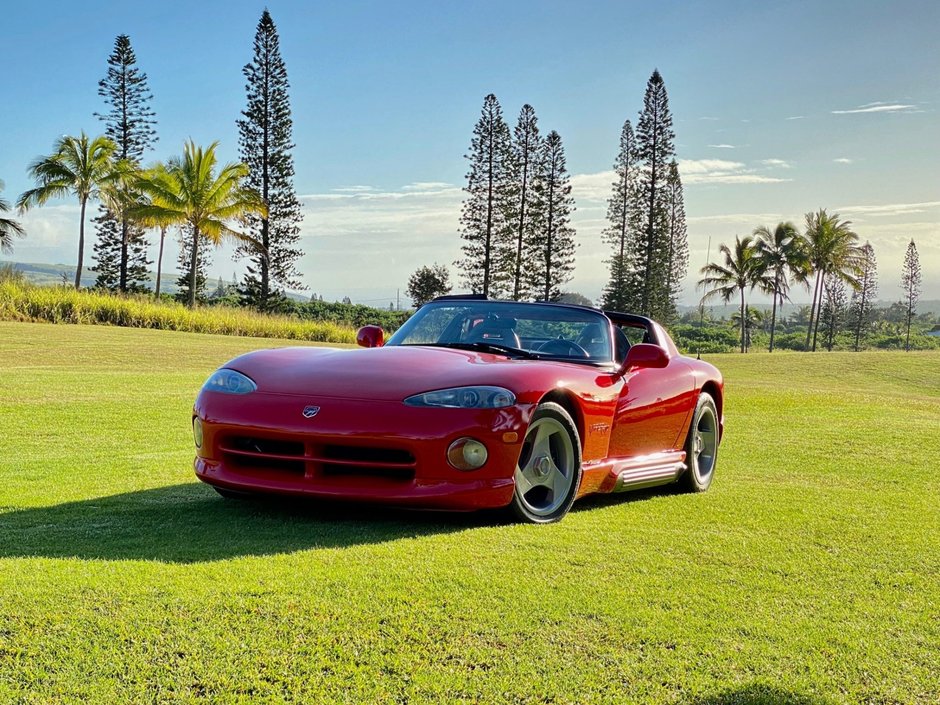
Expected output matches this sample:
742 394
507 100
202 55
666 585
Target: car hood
392 373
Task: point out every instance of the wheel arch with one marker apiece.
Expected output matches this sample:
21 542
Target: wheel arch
566 399
714 390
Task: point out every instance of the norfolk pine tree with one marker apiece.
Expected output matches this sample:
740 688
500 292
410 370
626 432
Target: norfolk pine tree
485 229
863 298
655 149
910 284
121 249
265 146
185 266
525 151
677 259
623 288
833 310
552 244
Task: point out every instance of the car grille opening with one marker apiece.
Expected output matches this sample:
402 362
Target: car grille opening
269 455
277 455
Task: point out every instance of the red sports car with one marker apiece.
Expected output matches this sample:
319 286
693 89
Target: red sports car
471 404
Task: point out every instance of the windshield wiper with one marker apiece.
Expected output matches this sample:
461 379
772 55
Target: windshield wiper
492 347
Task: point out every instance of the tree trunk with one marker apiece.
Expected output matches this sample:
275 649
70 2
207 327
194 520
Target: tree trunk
122 278
525 178
822 291
487 258
156 293
192 268
81 246
812 310
773 311
742 320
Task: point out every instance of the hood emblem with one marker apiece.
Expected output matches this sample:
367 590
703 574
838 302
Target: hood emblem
311 411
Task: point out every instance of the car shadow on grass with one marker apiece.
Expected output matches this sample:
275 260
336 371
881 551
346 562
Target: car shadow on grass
757 694
189 523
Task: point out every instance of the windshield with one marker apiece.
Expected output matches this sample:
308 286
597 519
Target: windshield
536 330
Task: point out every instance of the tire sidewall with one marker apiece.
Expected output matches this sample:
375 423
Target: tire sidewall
694 481
557 412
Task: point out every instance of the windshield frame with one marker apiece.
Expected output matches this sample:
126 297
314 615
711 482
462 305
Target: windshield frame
486 307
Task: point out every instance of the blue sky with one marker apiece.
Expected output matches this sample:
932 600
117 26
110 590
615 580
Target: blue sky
779 108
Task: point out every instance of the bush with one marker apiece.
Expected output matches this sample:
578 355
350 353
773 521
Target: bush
692 339
23 302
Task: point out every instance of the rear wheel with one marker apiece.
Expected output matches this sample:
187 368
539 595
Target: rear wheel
701 446
548 472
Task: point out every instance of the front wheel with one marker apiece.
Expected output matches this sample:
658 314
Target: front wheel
548 472
701 446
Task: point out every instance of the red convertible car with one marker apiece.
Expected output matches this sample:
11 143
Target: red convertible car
471 404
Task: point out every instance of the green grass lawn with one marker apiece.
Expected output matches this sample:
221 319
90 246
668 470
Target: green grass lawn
809 573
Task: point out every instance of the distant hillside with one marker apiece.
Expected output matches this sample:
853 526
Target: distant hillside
52 274
931 306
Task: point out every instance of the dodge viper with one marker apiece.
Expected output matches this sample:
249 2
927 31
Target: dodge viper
471 404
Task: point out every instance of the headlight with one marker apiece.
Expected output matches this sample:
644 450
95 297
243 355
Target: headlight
229 382
465 398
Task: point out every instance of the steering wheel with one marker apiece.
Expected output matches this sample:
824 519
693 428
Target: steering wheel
560 346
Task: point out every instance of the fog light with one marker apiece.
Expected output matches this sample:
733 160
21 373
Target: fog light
466 454
197 431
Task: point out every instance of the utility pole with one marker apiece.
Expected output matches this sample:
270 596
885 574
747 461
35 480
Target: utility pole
398 299
701 304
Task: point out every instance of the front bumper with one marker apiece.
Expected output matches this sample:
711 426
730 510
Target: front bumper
361 450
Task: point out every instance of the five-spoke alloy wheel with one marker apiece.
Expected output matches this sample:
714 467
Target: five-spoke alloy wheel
701 446
548 473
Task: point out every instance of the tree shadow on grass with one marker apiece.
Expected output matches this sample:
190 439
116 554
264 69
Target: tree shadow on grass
189 523
757 694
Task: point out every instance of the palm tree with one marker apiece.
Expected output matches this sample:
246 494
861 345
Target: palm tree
753 320
79 166
189 193
142 213
784 257
833 250
742 270
8 228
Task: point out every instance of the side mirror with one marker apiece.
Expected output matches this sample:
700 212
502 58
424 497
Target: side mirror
644 355
370 337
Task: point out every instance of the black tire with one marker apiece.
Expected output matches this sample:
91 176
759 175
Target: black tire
701 446
548 476
232 494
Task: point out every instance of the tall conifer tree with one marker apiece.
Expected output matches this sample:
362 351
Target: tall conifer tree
552 244
655 149
184 263
485 227
677 259
526 145
833 313
265 143
910 284
863 298
121 249
622 290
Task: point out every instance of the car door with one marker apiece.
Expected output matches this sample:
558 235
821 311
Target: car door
652 410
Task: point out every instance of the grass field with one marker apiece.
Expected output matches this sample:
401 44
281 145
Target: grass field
808 574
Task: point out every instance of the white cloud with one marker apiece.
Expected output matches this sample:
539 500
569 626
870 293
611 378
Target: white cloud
879 107
778 163
722 146
842 160
709 118
796 117
736 219
721 171
893 209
